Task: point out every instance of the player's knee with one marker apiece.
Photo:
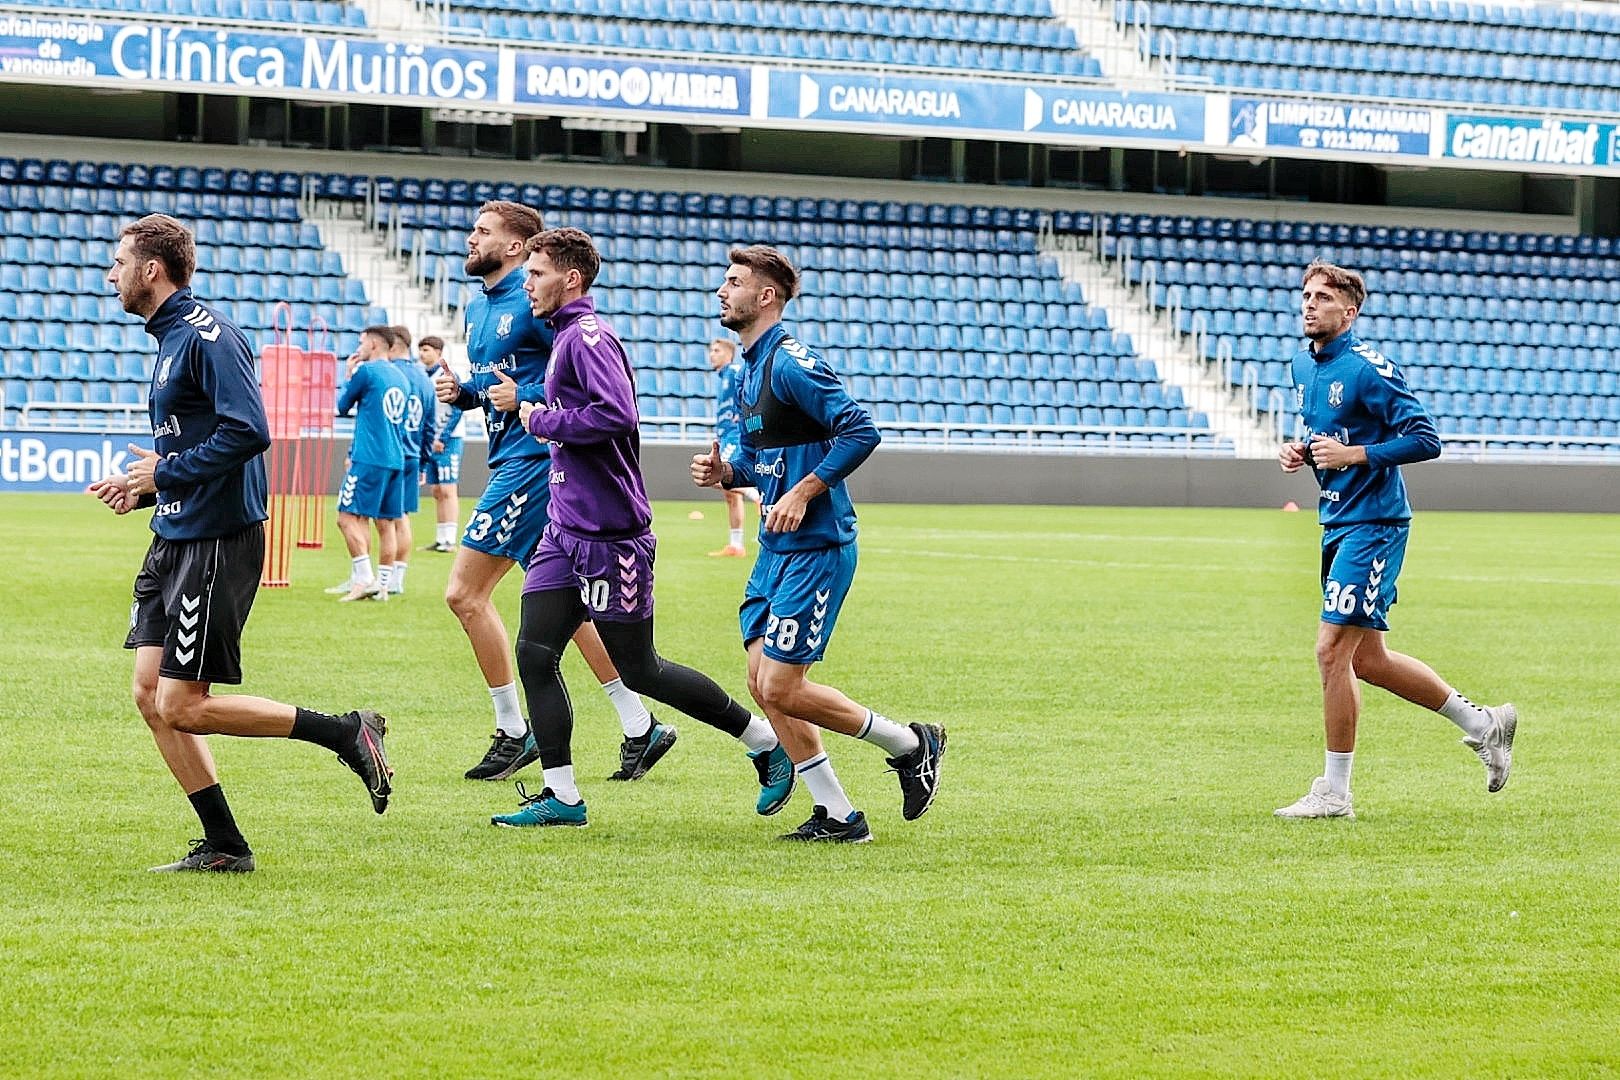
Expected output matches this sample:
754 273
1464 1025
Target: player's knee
776 693
1333 653
180 709
537 657
144 690
461 600
639 673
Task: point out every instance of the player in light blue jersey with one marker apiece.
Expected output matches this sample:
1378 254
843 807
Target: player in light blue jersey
728 371
421 428
508 349
443 470
801 435
1362 423
371 487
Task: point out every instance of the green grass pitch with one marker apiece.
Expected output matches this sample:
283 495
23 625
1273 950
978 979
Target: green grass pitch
1100 890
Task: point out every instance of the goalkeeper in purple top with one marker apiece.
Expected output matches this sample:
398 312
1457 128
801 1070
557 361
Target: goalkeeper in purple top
595 557
1363 423
802 434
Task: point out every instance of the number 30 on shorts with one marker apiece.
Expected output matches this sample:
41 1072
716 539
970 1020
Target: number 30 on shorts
594 594
1339 598
782 634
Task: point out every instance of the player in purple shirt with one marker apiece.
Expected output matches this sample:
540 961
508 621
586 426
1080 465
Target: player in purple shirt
595 558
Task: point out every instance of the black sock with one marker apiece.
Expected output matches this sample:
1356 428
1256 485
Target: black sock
336 733
219 827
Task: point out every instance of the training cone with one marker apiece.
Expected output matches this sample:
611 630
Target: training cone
1290 507
697 515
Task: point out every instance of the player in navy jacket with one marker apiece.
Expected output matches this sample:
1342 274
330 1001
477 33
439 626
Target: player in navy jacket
205 480
1361 424
802 434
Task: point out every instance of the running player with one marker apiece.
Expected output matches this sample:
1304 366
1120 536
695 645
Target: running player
508 349
728 370
596 556
420 429
204 478
443 470
802 434
1364 424
371 487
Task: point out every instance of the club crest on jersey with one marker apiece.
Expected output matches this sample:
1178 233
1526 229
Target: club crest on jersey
1336 394
163 370
504 327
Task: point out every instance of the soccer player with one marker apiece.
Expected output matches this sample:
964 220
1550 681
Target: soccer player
596 556
419 429
802 434
443 471
1362 423
372 487
724 363
205 480
508 349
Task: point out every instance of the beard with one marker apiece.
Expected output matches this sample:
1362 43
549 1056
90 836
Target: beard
482 265
736 320
137 299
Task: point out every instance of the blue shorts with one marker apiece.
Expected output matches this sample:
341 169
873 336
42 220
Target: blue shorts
445 466
1359 566
370 491
512 513
793 598
410 488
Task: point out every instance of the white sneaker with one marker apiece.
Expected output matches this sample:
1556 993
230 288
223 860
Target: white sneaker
341 587
1320 802
360 590
1495 747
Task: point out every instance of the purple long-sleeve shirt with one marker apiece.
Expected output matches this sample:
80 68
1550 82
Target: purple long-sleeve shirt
590 419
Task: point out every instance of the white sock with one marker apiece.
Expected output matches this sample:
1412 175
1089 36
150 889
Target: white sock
818 776
385 574
359 569
633 714
758 735
1473 719
736 538
561 782
897 739
508 713
1337 771
399 577
445 532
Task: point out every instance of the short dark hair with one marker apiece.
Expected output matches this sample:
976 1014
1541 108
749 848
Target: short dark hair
402 335
770 264
1348 282
568 249
520 220
386 333
161 237
431 342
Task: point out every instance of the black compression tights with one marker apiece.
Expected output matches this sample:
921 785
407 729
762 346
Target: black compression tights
550 619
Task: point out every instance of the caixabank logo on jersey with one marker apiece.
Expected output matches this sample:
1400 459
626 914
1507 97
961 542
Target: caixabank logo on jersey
58 461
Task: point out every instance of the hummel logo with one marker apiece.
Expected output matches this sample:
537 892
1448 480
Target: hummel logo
518 500
188 640
627 561
813 642
821 596
188 621
503 537
184 655
189 603
203 323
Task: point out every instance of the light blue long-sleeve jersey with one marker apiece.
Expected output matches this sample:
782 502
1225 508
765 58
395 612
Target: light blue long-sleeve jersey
503 335
1350 391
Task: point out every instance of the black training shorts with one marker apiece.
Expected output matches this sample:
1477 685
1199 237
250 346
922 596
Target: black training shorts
193 597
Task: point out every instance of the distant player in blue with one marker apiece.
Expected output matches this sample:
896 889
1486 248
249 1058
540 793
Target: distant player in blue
508 349
728 370
379 395
204 480
443 471
1361 424
801 435
421 428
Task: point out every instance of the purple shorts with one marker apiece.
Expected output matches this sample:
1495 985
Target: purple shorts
614 577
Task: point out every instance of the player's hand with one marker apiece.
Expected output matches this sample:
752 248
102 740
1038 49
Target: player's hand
446 387
1291 456
142 471
114 492
503 392
438 446
352 364
525 410
710 470
1330 453
787 513
421 478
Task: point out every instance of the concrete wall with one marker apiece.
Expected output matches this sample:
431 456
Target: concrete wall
910 476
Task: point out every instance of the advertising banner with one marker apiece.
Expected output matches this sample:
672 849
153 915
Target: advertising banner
1339 127
1570 143
649 85
59 460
